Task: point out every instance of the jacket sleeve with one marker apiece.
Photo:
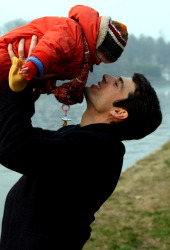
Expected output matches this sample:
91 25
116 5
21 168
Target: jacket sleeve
23 148
57 45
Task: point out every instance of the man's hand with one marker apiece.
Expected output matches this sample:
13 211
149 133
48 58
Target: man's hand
16 80
21 48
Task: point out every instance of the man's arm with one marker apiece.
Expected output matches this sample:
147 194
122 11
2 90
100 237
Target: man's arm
16 110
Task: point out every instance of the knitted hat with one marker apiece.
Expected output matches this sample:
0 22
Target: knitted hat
111 40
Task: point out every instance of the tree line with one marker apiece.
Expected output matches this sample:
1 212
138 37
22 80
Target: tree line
144 55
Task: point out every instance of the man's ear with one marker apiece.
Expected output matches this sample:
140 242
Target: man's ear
118 114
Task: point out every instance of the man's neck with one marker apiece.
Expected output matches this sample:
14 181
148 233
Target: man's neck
91 118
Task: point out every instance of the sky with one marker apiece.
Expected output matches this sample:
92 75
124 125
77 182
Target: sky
147 17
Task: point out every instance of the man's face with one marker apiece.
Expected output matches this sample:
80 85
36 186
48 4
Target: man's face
102 95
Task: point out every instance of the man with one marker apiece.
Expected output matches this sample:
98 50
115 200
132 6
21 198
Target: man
68 174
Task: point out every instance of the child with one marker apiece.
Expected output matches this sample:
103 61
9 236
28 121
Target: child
67 48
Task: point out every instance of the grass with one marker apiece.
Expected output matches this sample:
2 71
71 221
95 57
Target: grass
137 215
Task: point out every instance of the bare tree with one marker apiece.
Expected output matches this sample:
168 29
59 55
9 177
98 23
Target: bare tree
12 25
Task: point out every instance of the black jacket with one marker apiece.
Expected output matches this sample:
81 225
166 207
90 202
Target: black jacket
67 175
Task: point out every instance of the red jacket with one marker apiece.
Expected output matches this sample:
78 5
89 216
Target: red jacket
60 45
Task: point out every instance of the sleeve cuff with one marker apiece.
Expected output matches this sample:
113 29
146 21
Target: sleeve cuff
38 64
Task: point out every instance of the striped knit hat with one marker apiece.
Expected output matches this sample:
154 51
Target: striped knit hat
111 40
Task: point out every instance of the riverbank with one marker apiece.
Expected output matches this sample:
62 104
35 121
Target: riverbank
137 215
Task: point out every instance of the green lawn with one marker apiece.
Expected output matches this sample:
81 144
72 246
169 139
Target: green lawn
137 215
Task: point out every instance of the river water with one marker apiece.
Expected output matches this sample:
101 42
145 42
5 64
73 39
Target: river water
49 113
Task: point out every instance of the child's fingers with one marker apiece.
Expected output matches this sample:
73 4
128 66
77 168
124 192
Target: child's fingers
24 67
32 45
24 71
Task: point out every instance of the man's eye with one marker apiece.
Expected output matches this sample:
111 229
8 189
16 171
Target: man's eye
121 80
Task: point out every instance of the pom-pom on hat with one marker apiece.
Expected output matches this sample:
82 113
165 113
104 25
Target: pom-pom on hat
111 40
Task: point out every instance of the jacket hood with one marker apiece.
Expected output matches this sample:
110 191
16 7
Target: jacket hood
89 20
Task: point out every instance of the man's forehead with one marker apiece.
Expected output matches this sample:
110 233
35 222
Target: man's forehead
126 78
129 81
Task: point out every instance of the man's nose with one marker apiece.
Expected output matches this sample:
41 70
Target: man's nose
107 77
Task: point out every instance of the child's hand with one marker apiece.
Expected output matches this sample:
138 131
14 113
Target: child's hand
24 71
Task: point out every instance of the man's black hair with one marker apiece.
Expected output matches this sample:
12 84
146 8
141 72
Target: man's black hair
144 110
